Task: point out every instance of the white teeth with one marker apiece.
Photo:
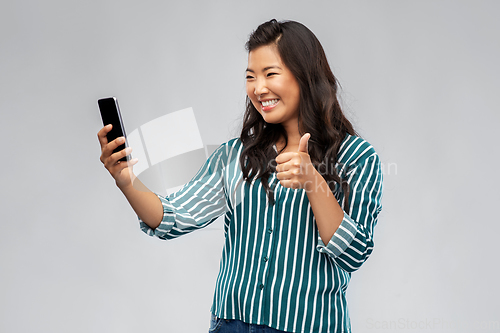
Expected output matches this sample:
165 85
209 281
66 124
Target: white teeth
271 102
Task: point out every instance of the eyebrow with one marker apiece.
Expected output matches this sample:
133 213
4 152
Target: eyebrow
265 69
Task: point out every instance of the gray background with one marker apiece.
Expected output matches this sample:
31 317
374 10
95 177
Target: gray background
419 82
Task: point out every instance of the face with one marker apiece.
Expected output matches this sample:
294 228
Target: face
272 88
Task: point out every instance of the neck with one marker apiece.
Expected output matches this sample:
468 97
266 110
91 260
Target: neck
293 135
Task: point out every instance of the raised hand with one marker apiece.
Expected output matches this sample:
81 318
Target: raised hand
120 171
294 169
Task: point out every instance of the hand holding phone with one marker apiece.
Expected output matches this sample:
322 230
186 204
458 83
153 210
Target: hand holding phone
110 114
114 151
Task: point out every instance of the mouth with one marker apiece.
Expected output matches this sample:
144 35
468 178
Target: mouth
269 104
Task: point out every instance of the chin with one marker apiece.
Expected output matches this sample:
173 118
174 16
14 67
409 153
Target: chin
271 121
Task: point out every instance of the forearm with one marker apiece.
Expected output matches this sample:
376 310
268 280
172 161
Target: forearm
145 203
326 209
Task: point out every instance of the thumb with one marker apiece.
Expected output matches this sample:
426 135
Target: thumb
303 144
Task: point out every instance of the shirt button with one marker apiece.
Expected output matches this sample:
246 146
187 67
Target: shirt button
266 258
261 286
270 230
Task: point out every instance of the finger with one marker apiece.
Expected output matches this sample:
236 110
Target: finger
108 149
280 176
119 167
304 143
285 157
116 143
282 167
286 175
114 158
101 135
295 162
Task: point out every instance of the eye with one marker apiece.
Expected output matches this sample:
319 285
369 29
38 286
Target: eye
271 74
249 77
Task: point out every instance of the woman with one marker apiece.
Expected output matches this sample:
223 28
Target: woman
300 194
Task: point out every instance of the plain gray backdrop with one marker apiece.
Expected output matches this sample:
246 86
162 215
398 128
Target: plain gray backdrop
419 81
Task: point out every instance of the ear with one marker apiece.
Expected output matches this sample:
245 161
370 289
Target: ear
303 144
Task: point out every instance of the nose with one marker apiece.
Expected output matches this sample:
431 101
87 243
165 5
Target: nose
260 87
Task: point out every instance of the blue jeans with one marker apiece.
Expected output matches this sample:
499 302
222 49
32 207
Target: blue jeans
218 325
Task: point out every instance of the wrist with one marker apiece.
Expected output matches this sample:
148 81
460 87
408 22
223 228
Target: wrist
125 188
313 181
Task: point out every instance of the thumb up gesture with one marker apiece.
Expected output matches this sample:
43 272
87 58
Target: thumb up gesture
294 169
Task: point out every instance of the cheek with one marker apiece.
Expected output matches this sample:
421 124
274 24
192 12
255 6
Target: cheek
252 97
249 89
256 105
295 96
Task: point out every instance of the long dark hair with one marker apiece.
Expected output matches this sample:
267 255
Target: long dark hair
319 109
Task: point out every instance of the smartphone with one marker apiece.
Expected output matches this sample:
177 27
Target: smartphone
110 114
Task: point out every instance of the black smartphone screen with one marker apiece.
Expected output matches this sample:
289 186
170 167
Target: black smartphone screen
110 114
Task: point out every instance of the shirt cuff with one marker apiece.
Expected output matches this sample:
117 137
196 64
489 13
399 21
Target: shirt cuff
341 239
167 222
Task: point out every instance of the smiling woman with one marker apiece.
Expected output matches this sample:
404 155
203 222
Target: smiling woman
295 227
272 88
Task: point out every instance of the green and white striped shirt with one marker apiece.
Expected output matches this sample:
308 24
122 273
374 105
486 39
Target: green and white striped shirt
275 270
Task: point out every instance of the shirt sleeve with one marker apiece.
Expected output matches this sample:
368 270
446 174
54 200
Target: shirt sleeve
196 204
352 243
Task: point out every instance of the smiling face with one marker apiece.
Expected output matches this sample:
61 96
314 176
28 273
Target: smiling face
272 88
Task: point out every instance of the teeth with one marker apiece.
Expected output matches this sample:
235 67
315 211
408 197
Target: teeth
271 102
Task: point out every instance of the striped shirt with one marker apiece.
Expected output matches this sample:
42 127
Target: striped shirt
275 270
